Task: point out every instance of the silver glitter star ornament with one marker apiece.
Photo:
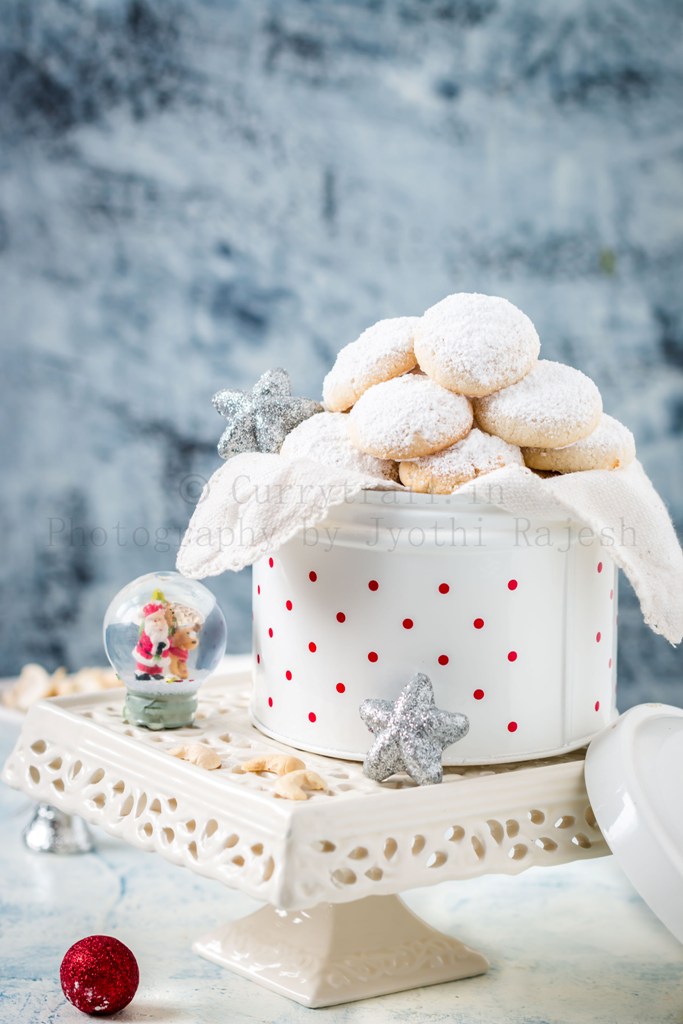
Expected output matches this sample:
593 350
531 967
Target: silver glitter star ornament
411 733
259 420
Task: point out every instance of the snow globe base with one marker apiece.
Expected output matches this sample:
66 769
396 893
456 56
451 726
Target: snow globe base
167 711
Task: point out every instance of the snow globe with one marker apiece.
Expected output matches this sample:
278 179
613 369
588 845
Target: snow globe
163 634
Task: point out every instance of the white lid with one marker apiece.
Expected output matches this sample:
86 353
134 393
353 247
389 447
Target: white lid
634 778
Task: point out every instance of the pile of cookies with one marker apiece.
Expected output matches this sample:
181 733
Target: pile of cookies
437 400
35 683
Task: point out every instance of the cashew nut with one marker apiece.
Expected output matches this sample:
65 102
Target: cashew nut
199 754
279 764
293 786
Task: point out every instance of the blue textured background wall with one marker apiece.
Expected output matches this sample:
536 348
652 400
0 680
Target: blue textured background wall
191 193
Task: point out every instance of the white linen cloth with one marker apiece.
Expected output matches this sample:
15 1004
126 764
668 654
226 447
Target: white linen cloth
254 503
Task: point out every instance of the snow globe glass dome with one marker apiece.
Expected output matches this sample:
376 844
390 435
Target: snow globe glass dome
163 634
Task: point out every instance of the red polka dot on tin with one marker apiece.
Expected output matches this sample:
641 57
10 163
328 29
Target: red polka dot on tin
599 566
442 659
598 637
313 576
408 623
512 655
271 563
512 727
288 676
258 589
597 705
478 623
373 656
478 694
444 588
512 584
312 647
258 659
270 702
288 605
611 595
341 617
312 716
270 632
609 663
373 585
340 688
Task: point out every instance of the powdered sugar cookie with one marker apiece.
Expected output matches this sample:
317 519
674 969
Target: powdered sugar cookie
476 344
553 406
475 455
408 417
383 351
609 446
327 440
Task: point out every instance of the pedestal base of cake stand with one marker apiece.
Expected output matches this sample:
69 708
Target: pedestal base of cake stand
340 952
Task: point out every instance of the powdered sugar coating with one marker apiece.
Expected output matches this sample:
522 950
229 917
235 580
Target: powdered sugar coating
609 446
475 455
476 344
408 417
325 438
382 351
553 406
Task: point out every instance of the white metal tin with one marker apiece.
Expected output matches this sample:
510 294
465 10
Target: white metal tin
514 621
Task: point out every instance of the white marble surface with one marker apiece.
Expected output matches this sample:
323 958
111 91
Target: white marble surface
568 945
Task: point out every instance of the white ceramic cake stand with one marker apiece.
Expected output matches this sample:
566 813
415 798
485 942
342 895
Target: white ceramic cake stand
328 868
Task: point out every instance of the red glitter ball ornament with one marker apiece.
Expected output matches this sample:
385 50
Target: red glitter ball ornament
99 975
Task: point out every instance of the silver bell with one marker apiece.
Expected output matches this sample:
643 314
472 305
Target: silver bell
53 831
